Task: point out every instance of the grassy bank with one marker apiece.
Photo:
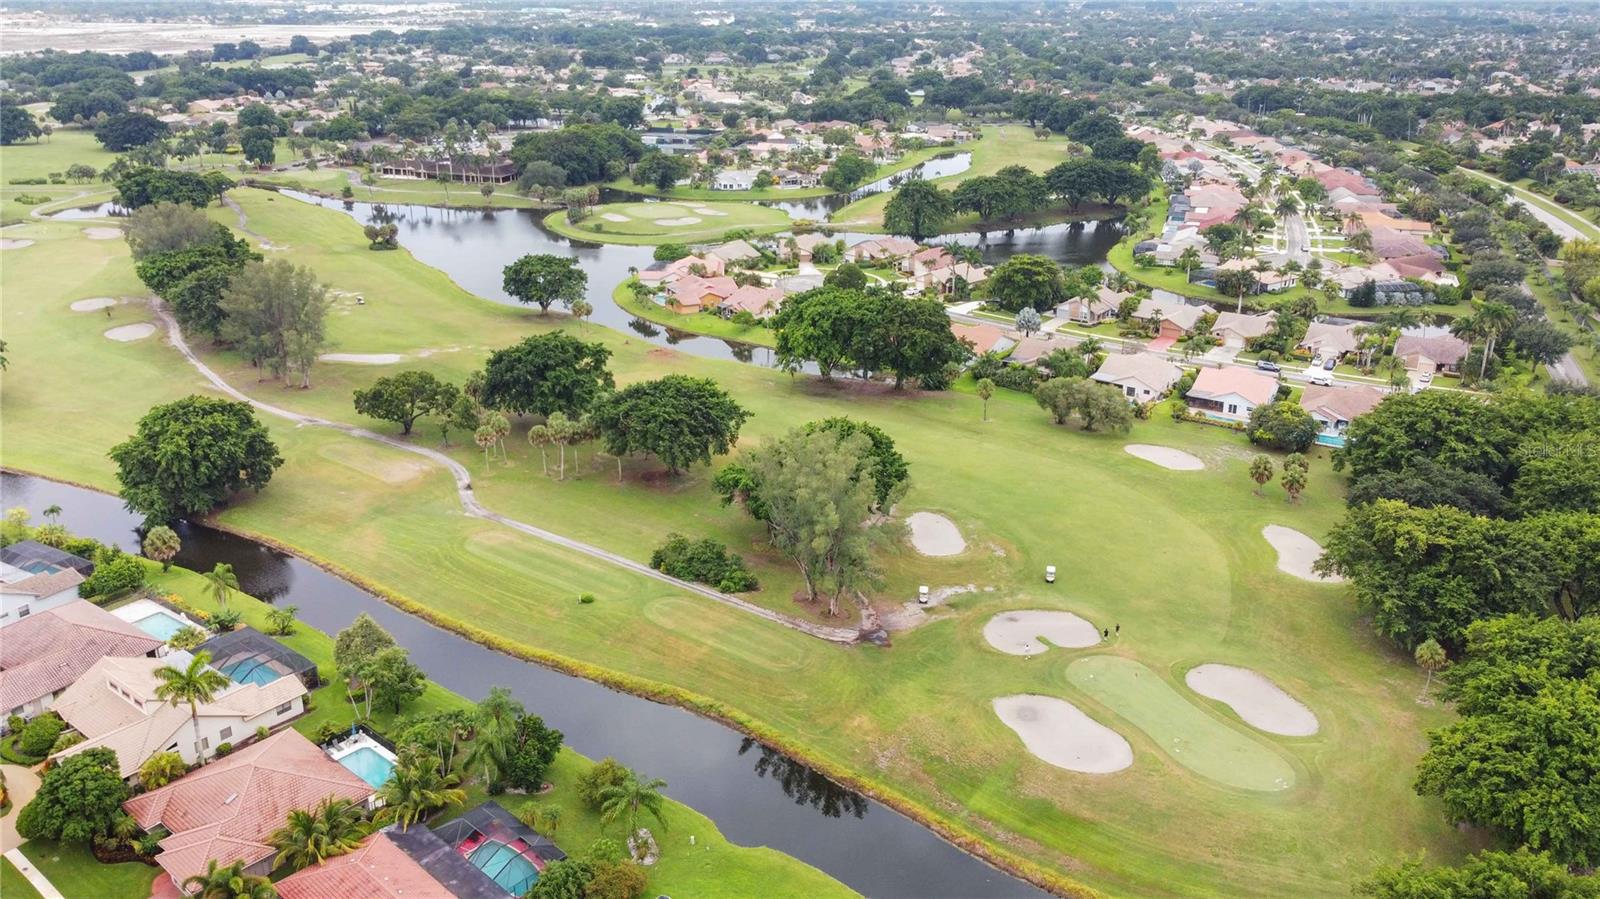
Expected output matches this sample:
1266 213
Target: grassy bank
37 159
909 160
704 323
665 222
1176 558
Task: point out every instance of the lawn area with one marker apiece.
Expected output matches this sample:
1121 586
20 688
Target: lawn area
712 867
37 159
370 188
909 160
79 875
912 723
13 885
1000 146
708 323
668 222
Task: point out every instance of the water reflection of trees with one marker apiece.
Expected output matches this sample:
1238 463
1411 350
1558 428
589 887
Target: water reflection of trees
644 327
805 785
264 572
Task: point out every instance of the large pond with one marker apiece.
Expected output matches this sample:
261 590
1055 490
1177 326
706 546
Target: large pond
757 796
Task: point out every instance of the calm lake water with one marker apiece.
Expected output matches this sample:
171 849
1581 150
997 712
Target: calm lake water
757 796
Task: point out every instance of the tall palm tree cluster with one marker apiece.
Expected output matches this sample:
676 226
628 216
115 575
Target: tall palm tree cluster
1488 322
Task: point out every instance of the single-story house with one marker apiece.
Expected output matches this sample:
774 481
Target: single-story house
35 577
668 272
44 653
1174 318
1431 352
790 179
1236 329
1335 407
805 245
734 251
880 249
381 868
228 809
1034 347
924 261
734 179
1230 393
693 294
1142 377
1102 307
761 302
984 338
944 278
114 706
1331 339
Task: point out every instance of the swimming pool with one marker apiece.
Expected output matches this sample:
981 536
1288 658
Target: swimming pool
161 625
369 765
251 671
505 866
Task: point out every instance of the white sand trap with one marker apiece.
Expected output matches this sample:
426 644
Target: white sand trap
681 220
14 243
1296 552
935 535
701 210
1019 633
657 210
1165 456
1058 733
103 233
94 303
361 358
1260 702
125 333
615 217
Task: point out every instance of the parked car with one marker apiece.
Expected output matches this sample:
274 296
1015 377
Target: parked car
1328 364
1264 365
1320 378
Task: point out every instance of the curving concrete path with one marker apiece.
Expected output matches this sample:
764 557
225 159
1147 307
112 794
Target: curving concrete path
470 503
21 784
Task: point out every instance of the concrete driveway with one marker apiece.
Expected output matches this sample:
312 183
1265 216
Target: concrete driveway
21 784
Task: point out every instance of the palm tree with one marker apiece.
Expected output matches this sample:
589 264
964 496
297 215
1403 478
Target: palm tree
220 580
1430 658
1286 207
1189 260
484 437
628 798
197 682
53 511
308 838
539 435
985 391
582 309
162 545
1494 319
228 883
417 789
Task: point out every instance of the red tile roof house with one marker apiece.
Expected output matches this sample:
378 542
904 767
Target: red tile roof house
761 302
668 272
692 294
41 655
378 870
228 810
1230 393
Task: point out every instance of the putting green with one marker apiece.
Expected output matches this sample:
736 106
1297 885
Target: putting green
1194 739
664 222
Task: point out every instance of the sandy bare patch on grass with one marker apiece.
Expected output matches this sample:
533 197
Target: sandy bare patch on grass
935 535
1025 632
1165 456
102 233
615 217
14 243
126 333
93 304
361 358
701 210
1260 702
682 220
1058 732
1296 553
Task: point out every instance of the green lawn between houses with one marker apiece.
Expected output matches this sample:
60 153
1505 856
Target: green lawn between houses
13 885
1175 557
37 159
73 870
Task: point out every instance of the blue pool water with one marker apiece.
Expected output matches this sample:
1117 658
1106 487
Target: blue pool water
505 866
250 671
160 625
371 766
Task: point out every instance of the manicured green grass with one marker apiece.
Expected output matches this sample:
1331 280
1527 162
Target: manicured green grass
713 866
373 189
708 323
37 159
913 722
1176 727
73 870
13 885
668 222
1583 225
906 161
1000 146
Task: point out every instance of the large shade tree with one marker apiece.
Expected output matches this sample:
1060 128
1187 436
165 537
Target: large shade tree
189 456
545 374
544 279
678 419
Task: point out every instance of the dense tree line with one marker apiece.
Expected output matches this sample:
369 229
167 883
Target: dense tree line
869 331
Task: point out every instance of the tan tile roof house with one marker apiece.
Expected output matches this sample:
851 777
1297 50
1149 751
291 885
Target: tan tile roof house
1141 377
1230 392
228 809
1335 407
45 652
378 870
1327 338
1437 352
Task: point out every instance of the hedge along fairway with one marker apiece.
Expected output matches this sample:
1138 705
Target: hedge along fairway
1186 733
670 221
1177 559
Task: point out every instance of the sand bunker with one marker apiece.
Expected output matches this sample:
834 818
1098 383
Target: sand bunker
1165 456
14 243
935 535
1019 633
1057 732
701 210
361 358
103 233
614 217
1296 552
1260 702
682 220
125 333
94 303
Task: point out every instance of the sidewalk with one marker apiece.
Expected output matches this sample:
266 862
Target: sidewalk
40 882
